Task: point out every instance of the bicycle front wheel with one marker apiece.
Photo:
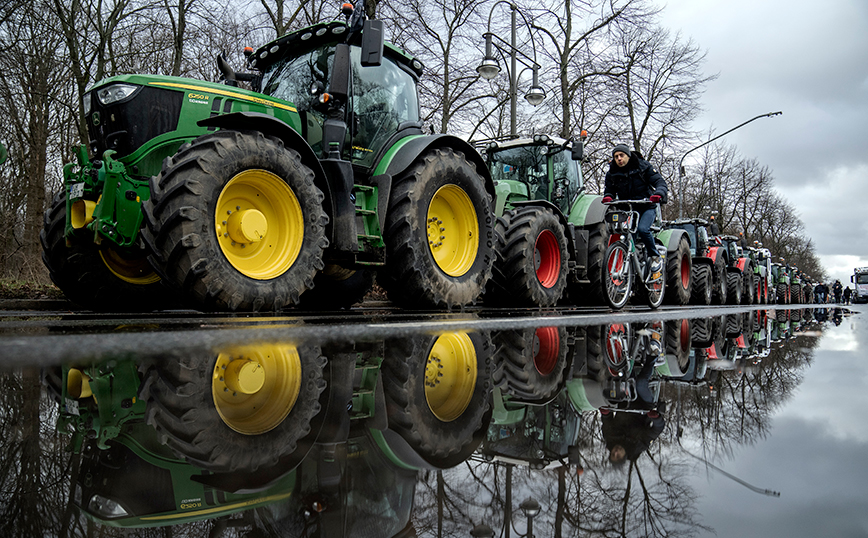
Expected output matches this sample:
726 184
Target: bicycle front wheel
617 275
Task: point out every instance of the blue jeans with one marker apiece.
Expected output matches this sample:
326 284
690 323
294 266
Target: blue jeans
643 230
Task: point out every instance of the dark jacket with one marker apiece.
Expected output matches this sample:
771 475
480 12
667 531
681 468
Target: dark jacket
636 181
633 431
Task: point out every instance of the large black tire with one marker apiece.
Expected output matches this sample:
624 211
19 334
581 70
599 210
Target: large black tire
617 283
719 288
102 279
532 267
679 274
223 426
796 294
678 341
437 391
701 285
592 293
336 288
734 287
531 363
495 293
255 183
748 293
782 293
701 332
439 234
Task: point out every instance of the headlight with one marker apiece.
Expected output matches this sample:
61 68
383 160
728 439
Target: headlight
115 92
86 102
106 507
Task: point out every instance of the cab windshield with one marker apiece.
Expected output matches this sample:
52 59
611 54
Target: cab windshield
383 98
862 279
529 165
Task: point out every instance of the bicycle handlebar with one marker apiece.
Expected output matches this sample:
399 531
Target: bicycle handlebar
615 202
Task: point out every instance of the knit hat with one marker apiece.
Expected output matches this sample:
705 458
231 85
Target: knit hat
622 148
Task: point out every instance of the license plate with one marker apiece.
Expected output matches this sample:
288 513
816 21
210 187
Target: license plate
76 190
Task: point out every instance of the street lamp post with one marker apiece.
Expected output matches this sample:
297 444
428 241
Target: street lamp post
489 68
709 141
530 507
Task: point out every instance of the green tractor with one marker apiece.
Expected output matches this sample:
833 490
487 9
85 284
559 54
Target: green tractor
781 283
551 234
705 270
296 191
762 266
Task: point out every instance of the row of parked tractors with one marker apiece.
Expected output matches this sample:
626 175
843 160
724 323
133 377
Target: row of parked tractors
302 189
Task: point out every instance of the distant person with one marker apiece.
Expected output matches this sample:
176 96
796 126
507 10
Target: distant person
630 177
847 293
820 293
713 227
837 289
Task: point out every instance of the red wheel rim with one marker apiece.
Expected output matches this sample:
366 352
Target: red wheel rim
616 265
685 334
615 343
547 259
546 349
685 273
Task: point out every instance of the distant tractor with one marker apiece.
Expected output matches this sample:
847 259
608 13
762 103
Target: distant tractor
706 283
781 283
295 192
762 266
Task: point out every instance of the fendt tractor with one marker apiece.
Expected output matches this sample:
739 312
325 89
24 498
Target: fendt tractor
293 192
551 233
781 283
762 266
708 275
740 276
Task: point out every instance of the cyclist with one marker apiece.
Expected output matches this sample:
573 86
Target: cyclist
630 177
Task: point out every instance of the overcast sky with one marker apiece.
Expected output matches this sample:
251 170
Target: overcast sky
808 59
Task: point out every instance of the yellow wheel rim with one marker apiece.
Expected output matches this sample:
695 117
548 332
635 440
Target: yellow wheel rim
255 389
259 224
453 231
135 271
450 376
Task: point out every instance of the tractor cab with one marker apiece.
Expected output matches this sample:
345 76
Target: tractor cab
542 168
369 84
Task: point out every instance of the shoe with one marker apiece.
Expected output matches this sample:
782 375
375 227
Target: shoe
654 269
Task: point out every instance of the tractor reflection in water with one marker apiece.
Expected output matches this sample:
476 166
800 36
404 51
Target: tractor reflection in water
329 438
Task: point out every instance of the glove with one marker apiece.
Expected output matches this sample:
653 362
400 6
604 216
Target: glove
607 199
656 198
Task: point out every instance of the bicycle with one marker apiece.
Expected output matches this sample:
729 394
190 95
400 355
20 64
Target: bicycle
626 260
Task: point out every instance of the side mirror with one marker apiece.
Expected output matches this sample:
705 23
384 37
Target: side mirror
578 150
372 43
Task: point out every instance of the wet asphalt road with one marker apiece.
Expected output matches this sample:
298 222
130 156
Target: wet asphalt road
40 333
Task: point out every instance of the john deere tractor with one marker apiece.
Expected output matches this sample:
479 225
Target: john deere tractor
294 191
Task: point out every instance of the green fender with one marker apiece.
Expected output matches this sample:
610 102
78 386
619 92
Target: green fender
582 391
406 150
671 237
3 154
587 209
